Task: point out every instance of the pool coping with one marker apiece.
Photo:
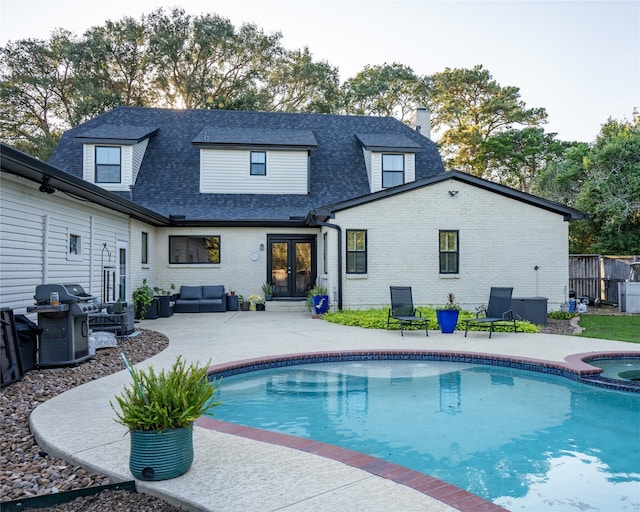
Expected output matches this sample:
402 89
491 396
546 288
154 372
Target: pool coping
575 367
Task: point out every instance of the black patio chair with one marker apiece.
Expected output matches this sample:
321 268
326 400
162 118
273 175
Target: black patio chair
402 309
498 312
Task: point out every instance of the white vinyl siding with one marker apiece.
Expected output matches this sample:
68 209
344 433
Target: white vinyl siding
228 172
35 228
373 162
138 155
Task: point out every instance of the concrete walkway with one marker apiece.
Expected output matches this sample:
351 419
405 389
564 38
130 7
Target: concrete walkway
232 473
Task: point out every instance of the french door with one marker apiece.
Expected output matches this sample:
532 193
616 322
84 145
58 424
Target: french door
291 264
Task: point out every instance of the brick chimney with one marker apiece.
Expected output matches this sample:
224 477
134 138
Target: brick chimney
421 121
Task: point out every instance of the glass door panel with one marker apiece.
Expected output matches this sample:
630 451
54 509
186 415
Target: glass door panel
280 268
303 267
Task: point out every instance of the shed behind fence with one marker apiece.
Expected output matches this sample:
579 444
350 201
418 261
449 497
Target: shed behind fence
597 277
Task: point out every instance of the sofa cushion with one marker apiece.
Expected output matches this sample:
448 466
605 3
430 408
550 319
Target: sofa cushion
213 292
190 292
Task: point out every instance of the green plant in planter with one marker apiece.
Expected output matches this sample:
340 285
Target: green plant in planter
158 401
267 289
451 303
317 290
159 409
142 298
161 292
447 315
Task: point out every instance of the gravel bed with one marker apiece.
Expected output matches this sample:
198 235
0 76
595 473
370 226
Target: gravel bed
28 471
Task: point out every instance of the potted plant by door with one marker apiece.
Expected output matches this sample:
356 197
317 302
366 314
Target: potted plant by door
319 299
448 315
267 289
159 409
244 304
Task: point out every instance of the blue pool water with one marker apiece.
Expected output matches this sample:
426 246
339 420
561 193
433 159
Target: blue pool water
524 440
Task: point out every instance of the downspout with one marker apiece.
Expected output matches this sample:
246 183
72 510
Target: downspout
339 231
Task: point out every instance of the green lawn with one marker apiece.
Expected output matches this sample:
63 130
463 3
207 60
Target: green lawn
611 327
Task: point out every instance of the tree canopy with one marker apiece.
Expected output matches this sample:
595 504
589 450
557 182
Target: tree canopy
172 59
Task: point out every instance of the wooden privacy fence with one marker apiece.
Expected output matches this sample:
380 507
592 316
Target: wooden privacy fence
597 277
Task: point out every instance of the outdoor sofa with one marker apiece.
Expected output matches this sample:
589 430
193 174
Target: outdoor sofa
201 299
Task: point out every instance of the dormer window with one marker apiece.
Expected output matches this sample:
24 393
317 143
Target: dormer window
258 163
108 164
392 170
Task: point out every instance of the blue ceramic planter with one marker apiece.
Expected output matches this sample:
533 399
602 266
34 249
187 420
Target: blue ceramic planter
447 320
320 304
161 455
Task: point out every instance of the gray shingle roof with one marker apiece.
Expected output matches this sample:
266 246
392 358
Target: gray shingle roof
168 181
255 137
122 134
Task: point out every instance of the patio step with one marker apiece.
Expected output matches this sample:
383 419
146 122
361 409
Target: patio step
287 306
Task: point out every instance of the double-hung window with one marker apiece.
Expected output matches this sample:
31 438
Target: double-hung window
258 163
449 252
392 170
108 164
356 251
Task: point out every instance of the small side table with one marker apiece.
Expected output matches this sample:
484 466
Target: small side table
232 303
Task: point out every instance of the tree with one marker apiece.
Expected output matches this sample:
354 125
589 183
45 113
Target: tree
561 180
37 96
298 84
468 106
610 193
203 62
113 65
387 90
515 157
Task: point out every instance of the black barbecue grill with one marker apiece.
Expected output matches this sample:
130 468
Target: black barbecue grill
65 327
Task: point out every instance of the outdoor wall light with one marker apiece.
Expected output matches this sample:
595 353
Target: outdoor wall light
453 192
46 187
262 247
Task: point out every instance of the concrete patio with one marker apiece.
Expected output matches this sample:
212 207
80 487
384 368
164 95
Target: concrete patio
232 473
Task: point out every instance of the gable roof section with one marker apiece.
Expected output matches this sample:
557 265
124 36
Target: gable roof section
387 142
169 176
251 137
118 134
568 213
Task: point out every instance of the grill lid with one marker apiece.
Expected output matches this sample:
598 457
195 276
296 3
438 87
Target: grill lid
67 293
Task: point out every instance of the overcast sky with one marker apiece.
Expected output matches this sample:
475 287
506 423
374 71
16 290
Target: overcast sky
580 60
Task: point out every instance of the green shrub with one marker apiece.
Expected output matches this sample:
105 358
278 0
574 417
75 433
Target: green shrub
377 319
561 315
166 400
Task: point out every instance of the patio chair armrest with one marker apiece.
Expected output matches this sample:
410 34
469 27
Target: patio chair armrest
507 315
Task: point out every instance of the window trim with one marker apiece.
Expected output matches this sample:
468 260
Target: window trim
112 166
392 172
172 261
74 251
356 252
260 165
447 251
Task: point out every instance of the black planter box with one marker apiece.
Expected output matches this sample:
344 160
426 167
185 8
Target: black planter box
232 303
165 305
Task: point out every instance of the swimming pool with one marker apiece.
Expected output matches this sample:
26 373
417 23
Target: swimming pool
524 440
